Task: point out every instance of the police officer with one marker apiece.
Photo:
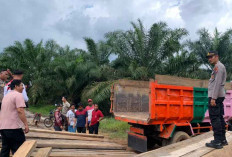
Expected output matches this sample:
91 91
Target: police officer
216 94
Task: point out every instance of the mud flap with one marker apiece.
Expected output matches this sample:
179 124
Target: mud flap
137 142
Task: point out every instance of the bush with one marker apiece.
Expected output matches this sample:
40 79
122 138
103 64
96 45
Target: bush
115 128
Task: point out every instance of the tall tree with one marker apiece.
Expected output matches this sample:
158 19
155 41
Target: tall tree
144 52
220 42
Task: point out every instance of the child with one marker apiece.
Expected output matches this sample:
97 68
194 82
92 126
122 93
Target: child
71 119
97 116
36 119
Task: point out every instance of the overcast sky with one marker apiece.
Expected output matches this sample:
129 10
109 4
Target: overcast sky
68 21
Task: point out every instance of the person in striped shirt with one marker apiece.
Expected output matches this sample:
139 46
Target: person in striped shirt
17 75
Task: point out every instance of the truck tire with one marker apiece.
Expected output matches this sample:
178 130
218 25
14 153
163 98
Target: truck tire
179 136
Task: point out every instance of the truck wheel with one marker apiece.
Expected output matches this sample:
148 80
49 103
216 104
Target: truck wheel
179 136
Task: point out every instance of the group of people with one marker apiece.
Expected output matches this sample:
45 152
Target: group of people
79 120
13 100
6 78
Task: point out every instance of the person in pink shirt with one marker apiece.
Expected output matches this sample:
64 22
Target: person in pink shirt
13 119
89 110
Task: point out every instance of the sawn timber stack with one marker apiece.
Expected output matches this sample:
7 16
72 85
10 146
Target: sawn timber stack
64 144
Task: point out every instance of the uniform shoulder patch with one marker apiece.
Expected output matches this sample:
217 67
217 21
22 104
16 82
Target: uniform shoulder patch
215 69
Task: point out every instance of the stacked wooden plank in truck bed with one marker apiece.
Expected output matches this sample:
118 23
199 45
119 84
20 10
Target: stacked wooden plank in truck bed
181 81
63 144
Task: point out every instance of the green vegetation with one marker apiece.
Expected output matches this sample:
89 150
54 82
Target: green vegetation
114 128
43 109
55 71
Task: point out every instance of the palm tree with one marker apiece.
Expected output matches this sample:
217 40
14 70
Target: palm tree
144 52
220 42
35 60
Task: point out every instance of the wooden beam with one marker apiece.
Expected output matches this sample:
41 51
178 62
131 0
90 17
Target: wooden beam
205 151
78 144
25 149
181 81
88 154
225 152
192 147
43 152
66 133
40 135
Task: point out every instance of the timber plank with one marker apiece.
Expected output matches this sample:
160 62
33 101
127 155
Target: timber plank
193 147
66 133
93 152
25 149
174 80
65 154
225 152
84 150
43 152
180 81
205 150
61 136
77 144
88 152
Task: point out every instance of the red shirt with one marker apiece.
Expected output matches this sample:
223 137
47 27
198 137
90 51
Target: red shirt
95 116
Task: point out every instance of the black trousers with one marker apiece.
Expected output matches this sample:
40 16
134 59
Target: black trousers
81 129
12 139
216 117
65 122
94 129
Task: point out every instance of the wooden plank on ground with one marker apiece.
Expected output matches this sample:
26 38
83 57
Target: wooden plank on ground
43 152
180 81
87 152
70 154
190 147
25 149
90 150
225 152
66 133
205 150
61 136
77 144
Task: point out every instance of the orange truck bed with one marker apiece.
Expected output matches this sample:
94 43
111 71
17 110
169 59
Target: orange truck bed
150 103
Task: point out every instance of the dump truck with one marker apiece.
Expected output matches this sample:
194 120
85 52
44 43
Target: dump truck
161 114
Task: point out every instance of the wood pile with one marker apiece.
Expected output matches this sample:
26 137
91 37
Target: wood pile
44 143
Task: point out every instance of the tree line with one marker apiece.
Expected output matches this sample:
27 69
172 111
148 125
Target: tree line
55 71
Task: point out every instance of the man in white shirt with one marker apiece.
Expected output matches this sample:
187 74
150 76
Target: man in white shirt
17 75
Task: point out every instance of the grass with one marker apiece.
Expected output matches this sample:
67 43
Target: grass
43 109
114 128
